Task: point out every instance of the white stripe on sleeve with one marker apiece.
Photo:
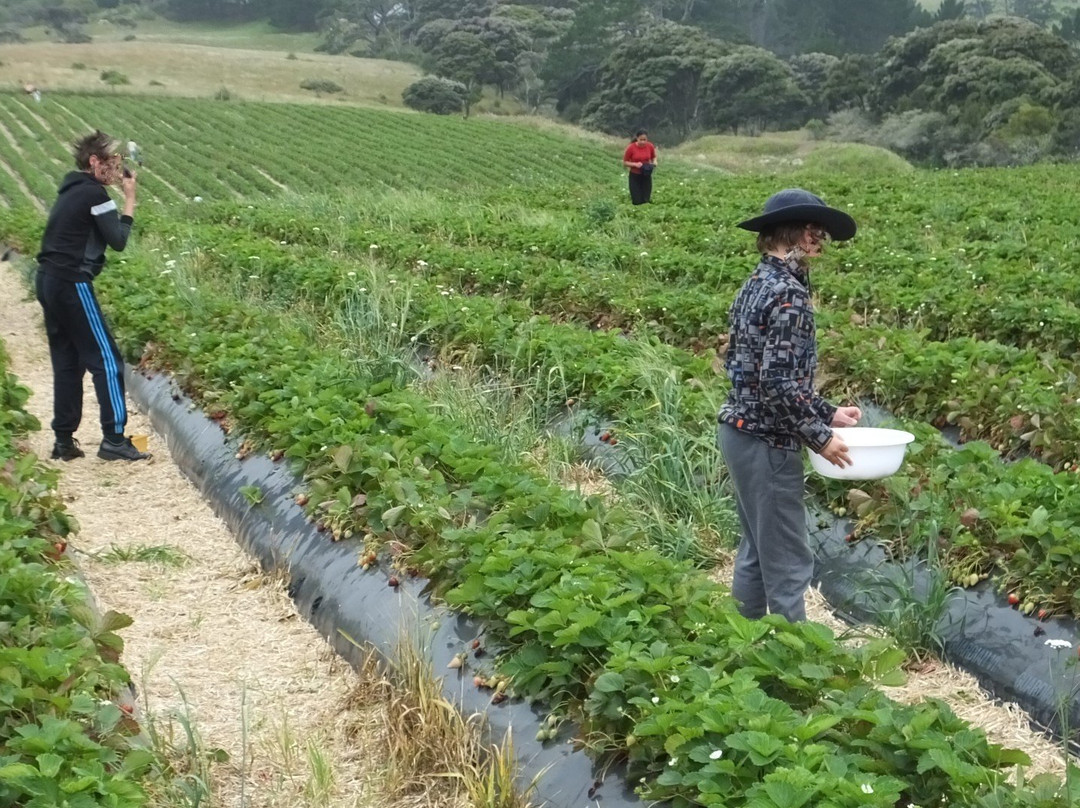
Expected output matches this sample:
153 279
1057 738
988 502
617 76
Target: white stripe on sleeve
104 207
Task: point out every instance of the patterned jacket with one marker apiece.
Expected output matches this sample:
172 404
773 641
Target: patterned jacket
771 359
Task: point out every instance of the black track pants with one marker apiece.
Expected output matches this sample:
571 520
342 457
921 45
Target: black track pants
79 341
640 188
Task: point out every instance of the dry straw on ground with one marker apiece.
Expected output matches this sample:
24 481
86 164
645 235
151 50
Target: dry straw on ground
217 645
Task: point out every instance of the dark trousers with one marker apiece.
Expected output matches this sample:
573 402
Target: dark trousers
79 341
640 188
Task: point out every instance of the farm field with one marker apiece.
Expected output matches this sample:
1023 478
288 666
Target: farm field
510 251
966 303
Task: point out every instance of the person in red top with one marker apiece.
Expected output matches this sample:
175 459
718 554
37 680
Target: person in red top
640 158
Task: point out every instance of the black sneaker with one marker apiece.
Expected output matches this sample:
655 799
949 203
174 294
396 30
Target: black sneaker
125 450
67 450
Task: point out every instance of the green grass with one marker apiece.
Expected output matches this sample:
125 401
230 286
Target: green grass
785 153
259 35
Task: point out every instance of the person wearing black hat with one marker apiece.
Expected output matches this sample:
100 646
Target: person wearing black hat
640 158
772 410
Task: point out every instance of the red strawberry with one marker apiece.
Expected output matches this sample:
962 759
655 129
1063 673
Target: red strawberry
394 582
1043 614
1014 599
605 437
613 441
475 644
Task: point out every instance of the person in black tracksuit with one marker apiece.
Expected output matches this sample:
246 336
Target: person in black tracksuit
83 221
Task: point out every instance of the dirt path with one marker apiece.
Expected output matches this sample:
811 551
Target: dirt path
257 680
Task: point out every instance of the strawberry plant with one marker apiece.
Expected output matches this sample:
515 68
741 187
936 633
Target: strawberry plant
62 735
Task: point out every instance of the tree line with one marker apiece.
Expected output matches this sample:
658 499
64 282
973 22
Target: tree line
979 81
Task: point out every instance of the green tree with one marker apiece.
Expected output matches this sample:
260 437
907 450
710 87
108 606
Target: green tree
950 10
507 41
959 62
750 91
654 81
1040 12
572 68
1069 27
466 58
424 11
433 94
375 17
850 83
811 72
293 16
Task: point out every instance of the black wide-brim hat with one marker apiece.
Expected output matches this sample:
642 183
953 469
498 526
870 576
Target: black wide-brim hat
797 205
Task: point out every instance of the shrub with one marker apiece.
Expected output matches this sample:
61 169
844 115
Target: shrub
10 36
1029 121
155 83
129 38
817 128
431 94
223 94
73 35
600 211
114 77
291 57
78 66
320 86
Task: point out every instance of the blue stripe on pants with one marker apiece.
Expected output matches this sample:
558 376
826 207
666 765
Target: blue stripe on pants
112 374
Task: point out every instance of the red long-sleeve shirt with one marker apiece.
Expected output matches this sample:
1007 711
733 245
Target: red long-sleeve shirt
639 153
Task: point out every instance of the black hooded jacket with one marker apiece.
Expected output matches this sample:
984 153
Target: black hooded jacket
82 222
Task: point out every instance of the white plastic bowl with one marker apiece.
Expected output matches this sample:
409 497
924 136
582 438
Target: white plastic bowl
875 453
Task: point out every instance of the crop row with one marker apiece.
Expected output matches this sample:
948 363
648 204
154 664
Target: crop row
607 370
707 707
63 738
948 254
1019 399
1016 501
233 148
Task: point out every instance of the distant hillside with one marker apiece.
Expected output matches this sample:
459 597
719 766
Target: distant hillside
199 70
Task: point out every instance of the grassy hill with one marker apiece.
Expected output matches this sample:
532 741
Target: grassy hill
186 69
787 152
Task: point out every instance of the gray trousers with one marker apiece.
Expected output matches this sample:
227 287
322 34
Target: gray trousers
774 564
